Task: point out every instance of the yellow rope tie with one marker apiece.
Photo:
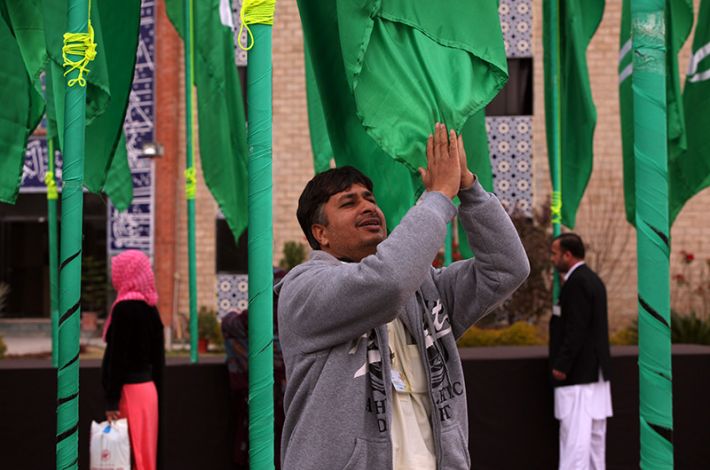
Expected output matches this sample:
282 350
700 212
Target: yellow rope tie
82 45
51 184
190 183
556 207
255 12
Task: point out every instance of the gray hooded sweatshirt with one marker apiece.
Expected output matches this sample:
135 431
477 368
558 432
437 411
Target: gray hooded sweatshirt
332 326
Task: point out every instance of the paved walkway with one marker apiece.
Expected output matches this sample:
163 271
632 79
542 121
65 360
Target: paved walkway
23 345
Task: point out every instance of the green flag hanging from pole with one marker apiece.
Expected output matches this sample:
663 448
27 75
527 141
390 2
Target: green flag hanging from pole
577 21
40 25
690 170
116 26
368 124
220 107
320 142
679 22
21 110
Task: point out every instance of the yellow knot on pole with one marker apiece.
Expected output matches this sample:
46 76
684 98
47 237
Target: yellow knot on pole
556 207
190 183
51 184
83 46
255 12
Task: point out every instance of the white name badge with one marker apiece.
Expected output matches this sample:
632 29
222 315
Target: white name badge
397 381
556 310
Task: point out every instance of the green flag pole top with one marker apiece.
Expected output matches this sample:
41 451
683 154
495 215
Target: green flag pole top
651 154
190 179
52 195
79 48
260 14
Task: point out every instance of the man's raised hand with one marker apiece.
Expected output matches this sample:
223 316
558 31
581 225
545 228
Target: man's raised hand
443 172
467 178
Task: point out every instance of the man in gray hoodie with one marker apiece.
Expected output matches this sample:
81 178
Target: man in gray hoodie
368 328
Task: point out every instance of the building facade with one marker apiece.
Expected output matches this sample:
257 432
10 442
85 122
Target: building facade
156 222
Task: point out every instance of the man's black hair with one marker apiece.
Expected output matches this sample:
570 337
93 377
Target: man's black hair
572 243
319 190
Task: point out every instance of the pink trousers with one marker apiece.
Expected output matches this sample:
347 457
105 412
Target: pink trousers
139 405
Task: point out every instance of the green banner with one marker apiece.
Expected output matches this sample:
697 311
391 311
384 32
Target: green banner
22 108
690 170
572 117
345 130
220 107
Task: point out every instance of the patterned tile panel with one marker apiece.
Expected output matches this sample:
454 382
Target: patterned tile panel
510 145
232 293
516 23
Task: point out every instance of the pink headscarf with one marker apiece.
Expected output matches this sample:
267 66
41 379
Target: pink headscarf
132 277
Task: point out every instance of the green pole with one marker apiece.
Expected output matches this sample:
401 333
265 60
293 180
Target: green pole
190 178
448 245
261 275
53 258
70 252
652 228
553 30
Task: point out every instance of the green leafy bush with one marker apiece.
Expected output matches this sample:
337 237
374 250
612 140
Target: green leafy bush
685 329
3 348
294 253
208 326
518 334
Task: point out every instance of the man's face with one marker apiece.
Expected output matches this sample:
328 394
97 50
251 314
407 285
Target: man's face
560 259
354 224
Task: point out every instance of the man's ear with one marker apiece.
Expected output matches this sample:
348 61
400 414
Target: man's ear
320 233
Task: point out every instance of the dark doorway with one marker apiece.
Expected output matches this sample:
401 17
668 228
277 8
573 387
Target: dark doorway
24 251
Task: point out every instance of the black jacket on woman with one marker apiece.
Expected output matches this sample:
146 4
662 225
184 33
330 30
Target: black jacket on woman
135 351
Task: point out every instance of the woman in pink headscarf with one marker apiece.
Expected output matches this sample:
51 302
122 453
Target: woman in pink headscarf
134 358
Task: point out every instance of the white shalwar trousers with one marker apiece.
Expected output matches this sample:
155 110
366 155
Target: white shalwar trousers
582 411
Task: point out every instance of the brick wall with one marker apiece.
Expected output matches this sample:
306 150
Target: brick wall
293 161
612 242
601 220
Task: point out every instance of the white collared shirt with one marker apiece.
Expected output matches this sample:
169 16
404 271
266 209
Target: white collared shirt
571 270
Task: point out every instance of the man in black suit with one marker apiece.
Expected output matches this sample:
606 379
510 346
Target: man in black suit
579 358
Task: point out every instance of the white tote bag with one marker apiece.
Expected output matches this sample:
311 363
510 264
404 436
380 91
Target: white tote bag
110 447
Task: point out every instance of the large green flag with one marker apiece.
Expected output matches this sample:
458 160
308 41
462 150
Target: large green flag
220 107
386 73
116 26
690 170
21 110
578 21
679 22
320 142
40 26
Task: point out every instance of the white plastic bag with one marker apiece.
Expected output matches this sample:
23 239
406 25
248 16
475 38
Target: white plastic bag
110 447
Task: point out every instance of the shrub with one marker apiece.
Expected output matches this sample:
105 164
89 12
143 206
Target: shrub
208 326
533 299
294 253
518 334
3 348
685 329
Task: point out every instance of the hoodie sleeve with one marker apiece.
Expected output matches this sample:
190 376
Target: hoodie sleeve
324 303
471 288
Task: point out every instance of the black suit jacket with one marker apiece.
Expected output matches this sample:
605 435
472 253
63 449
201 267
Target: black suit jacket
579 337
